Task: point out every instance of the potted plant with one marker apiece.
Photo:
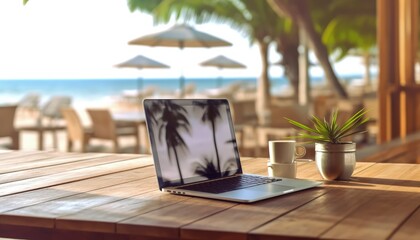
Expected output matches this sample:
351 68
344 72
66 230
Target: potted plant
335 158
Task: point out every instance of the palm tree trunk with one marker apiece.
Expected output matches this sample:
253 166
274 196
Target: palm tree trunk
298 11
287 47
263 101
178 166
368 80
215 147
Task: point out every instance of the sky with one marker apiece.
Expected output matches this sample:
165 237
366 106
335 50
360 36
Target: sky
71 39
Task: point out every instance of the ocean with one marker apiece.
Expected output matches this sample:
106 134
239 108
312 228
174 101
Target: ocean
96 92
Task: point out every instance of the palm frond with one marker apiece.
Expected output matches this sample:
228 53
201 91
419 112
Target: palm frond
300 125
330 130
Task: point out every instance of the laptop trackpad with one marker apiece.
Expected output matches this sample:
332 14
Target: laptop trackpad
259 191
273 188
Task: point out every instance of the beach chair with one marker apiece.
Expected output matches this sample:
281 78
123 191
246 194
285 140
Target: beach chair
51 110
51 113
245 120
7 128
188 90
227 92
136 96
29 103
104 127
75 130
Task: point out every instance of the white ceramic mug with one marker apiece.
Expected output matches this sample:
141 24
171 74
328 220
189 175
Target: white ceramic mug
286 170
285 151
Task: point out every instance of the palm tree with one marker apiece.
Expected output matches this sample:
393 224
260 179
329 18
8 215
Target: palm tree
287 47
211 114
351 29
298 11
171 123
255 19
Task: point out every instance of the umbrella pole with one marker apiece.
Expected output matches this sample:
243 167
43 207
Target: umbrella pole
181 86
139 89
139 84
182 80
219 80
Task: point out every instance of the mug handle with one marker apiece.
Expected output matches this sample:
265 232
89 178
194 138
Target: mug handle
300 151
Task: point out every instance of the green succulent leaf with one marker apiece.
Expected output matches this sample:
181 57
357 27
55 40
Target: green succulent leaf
330 130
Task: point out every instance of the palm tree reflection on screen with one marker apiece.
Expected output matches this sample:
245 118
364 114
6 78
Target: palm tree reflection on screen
211 114
209 171
153 109
171 123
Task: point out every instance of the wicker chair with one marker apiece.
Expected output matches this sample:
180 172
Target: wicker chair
75 130
7 128
29 104
104 127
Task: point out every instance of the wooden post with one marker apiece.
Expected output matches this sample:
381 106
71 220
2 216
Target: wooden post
397 90
304 81
408 11
387 73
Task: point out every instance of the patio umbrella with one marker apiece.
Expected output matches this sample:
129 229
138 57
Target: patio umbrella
222 62
141 62
180 36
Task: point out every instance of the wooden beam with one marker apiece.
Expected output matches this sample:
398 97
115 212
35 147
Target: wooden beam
407 11
397 90
387 72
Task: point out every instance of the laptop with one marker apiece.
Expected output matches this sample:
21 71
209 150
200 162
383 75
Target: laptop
195 153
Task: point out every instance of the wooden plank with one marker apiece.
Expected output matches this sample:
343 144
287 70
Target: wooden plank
61 164
15 201
53 234
103 218
73 175
4 154
390 176
44 214
397 194
43 160
25 232
410 228
166 222
377 218
314 218
236 222
11 156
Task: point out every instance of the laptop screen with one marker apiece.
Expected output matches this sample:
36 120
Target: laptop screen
192 140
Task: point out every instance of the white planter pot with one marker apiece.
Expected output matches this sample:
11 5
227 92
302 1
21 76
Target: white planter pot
335 161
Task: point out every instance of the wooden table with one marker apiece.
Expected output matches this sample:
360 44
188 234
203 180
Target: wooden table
54 195
136 118
130 117
41 130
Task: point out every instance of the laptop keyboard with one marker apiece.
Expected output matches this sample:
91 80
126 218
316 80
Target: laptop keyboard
230 184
